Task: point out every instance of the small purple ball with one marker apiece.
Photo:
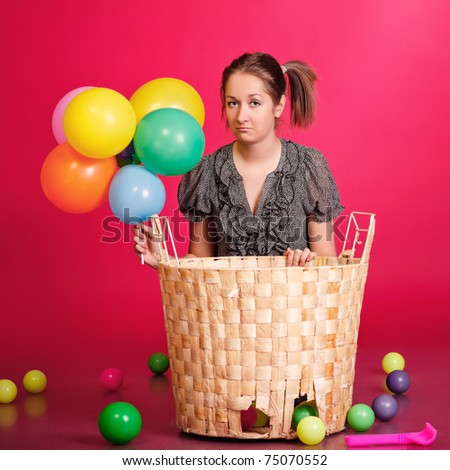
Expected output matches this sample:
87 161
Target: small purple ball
385 407
398 381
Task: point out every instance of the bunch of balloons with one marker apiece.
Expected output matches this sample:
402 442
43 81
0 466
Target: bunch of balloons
113 148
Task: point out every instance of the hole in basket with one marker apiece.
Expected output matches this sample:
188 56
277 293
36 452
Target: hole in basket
253 419
300 399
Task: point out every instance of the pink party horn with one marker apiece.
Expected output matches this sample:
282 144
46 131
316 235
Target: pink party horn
424 437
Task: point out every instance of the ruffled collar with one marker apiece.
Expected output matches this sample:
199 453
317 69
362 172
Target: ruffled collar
230 177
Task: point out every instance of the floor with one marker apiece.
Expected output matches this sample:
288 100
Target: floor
65 415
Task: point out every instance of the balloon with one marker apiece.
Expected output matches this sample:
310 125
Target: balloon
99 122
136 194
58 113
74 183
169 141
167 93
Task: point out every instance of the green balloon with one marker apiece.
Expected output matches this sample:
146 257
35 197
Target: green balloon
158 363
169 141
119 422
360 417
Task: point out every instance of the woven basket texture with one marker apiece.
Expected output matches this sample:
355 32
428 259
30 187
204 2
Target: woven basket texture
245 331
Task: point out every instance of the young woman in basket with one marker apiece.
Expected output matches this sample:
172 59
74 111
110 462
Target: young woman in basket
260 195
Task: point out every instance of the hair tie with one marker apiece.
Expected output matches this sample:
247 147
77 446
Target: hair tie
283 69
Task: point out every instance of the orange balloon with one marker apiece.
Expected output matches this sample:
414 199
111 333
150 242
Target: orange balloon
74 183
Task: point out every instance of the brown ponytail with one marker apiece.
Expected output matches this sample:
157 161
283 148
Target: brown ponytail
302 96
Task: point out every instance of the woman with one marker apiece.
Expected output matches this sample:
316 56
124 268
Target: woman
260 195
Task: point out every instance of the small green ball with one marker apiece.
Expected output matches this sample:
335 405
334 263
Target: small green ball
360 417
302 411
158 363
119 422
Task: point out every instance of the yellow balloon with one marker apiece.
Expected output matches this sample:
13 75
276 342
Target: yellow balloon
168 93
99 122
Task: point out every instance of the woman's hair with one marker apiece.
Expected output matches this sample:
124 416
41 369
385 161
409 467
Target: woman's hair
264 66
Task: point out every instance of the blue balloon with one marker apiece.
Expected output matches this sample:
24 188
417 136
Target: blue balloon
136 194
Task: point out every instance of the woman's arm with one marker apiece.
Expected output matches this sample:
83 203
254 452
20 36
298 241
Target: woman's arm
201 239
321 237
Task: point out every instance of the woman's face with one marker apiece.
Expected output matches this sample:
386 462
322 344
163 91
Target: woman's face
250 111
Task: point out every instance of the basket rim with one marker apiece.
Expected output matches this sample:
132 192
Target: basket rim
196 263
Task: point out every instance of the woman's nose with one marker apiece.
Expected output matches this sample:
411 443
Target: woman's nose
242 114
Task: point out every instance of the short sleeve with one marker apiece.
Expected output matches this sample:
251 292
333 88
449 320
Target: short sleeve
194 192
321 193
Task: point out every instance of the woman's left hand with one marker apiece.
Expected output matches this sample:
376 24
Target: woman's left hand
299 257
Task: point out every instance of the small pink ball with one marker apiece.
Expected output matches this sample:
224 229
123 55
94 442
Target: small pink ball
111 379
248 418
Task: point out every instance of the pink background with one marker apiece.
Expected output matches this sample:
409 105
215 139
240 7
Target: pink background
383 124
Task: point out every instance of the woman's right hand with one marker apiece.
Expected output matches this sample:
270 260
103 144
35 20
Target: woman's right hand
299 257
145 247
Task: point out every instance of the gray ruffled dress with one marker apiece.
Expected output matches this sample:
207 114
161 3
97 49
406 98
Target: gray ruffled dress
302 185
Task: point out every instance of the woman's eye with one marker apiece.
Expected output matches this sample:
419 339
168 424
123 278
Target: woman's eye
231 104
255 103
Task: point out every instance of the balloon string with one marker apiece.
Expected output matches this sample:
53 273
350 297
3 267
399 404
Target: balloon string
142 254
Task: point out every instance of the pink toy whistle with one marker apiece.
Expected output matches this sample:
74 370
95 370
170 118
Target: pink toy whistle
424 438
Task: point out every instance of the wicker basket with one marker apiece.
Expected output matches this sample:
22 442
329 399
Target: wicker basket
251 330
